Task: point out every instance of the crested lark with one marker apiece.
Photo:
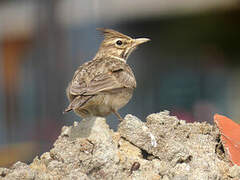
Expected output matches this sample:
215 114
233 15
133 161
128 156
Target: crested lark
106 83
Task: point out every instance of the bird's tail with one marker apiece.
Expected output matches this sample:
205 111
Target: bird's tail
68 109
77 103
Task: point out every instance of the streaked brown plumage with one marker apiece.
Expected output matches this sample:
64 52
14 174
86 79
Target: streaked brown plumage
106 83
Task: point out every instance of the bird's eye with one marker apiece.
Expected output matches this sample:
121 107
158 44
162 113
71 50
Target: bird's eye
119 42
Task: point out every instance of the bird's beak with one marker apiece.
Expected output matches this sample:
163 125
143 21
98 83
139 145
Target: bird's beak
139 41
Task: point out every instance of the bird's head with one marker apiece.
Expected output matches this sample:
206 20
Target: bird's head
118 45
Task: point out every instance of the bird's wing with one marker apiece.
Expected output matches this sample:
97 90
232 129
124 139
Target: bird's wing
113 78
77 102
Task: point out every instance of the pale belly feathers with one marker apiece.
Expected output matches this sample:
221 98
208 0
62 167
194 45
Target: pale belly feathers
103 104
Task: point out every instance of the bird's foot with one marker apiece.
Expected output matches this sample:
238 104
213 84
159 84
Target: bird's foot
118 115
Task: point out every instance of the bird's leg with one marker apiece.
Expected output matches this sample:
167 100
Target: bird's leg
117 114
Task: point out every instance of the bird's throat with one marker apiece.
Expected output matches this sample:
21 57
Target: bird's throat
118 58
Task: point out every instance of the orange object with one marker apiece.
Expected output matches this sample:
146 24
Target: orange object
230 137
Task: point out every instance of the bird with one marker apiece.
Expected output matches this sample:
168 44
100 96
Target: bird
106 83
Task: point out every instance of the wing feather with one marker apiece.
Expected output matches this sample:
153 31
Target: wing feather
103 83
94 77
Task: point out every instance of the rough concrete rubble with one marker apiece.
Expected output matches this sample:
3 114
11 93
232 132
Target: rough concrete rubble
163 147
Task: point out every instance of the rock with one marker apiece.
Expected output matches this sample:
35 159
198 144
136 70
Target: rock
89 149
163 147
165 177
135 131
234 172
4 172
20 171
76 174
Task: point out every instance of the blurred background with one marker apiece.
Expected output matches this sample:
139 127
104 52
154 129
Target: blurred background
191 67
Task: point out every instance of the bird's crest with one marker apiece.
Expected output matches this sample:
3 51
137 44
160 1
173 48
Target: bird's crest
110 33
